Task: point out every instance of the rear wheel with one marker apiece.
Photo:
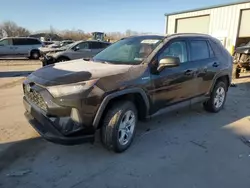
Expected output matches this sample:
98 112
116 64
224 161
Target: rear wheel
118 129
217 98
34 54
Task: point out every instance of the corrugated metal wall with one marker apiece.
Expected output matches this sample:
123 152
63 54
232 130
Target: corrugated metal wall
224 21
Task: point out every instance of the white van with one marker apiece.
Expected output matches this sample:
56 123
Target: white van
20 47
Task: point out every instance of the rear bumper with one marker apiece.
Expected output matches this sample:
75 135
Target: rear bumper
46 128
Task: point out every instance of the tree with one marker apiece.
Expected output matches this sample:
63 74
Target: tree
13 30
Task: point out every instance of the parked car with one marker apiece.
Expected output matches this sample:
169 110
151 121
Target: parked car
241 60
59 44
47 43
77 50
20 47
132 79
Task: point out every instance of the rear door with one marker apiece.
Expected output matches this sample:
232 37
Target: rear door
202 57
6 47
96 47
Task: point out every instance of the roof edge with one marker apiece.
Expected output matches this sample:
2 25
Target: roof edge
209 7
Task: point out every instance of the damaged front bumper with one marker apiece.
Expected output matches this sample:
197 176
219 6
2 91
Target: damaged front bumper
48 128
47 60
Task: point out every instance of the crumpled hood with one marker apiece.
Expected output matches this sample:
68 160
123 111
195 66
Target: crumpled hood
47 50
75 71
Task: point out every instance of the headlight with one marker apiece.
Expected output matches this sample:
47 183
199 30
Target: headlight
69 89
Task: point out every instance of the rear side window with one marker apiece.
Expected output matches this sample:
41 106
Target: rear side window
19 41
32 41
95 45
104 45
25 41
199 50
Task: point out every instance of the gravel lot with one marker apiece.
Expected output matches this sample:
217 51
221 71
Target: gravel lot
189 148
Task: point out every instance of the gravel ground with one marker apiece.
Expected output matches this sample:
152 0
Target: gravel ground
189 148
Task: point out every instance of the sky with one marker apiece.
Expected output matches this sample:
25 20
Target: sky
97 15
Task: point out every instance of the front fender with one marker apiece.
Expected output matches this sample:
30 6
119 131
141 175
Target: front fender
111 96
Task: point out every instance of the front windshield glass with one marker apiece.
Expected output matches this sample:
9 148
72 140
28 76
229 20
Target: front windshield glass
129 50
71 45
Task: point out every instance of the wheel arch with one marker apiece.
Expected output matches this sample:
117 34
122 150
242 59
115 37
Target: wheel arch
34 50
136 95
223 76
62 56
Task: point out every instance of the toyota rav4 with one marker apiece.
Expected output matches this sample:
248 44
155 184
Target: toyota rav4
132 79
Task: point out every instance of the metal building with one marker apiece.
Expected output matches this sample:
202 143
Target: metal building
229 23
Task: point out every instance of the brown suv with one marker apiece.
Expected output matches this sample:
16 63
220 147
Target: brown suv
130 80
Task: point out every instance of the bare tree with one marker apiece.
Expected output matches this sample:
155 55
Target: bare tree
12 29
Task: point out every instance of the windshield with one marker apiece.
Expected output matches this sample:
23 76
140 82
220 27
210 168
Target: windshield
128 51
71 45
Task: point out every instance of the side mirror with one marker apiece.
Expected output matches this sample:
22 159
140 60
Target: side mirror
168 62
77 48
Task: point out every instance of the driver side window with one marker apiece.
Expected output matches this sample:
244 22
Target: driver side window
4 42
82 46
176 49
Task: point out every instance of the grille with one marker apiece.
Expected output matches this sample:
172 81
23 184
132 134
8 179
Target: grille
35 97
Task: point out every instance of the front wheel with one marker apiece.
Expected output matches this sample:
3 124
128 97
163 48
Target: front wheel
217 98
118 129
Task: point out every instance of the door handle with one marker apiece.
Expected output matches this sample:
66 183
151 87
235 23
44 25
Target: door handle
215 64
189 72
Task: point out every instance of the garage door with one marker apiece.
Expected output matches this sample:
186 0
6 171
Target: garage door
245 24
193 25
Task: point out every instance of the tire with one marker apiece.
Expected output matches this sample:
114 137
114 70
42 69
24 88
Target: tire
62 59
236 72
34 54
113 136
217 98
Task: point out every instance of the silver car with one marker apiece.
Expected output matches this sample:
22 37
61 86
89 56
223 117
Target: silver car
76 50
20 47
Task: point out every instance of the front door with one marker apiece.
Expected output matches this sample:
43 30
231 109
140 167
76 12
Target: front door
6 48
176 84
82 50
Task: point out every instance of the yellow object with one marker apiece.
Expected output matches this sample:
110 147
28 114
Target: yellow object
231 49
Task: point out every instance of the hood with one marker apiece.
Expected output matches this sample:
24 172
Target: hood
75 71
52 50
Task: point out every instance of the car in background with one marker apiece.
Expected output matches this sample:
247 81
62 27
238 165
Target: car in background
241 60
47 43
59 44
20 47
76 50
